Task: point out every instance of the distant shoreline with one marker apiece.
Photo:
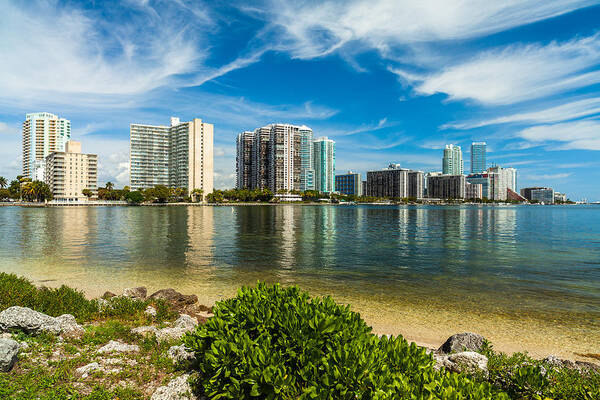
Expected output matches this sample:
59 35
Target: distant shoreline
293 203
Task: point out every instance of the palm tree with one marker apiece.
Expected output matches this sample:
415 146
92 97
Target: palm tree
3 182
109 186
197 194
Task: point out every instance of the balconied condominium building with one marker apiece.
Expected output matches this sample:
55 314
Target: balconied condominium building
277 157
180 155
69 172
452 163
395 182
446 186
43 133
324 165
478 162
349 184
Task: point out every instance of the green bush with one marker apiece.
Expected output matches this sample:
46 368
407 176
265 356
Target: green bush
523 377
15 291
276 343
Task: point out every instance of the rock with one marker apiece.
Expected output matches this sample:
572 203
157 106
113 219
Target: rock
181 326
25 319
145 330
150 311
6 335
108 295
467 362
167 334
69 326
205 314
174 298
186 322
462 342
87 369
180 354
138 293
117 347
8 354
178 389
587 366
581 366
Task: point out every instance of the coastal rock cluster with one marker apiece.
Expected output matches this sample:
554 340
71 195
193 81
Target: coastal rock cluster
459 353
33 322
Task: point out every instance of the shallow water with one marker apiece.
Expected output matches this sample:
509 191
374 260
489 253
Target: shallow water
526 277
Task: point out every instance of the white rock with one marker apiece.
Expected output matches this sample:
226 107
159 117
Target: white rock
180 354
167 334
150 311
30 321
186 322
467 361
177 389
87 369
8 354
138 293
118 347
145 330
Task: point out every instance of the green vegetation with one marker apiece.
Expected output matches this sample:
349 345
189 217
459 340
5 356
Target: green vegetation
522 377
15 291
275 343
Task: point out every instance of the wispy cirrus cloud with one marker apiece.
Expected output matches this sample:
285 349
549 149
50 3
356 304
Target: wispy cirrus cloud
515 73
576 135
316 28
563 112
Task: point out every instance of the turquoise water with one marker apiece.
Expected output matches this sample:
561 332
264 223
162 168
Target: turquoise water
421 271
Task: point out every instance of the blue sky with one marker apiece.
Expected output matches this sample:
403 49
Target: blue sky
389 80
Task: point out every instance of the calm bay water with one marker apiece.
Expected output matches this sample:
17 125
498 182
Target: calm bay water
527 277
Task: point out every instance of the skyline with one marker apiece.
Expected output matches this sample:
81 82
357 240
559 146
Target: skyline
522 76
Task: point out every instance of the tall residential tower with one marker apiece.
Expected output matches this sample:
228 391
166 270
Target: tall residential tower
43 133
324 164
180 155
452 163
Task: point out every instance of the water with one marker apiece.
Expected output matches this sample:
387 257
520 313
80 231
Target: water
527 277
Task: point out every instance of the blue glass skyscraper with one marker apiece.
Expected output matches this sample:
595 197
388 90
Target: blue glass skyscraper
478 150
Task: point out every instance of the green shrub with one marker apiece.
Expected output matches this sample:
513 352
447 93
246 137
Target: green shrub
15 291
275 343
522 377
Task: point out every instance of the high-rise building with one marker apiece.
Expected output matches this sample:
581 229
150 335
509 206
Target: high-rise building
180 155
473 190
349 184
69 172
416 184
391 182
243 169
511 178
498 183
307 174
43 133
452 163
482 180
324 164
478 150
446 186
280 158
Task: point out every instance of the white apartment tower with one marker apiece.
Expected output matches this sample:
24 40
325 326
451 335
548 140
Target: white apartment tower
452 163
43 133
69 172
179 155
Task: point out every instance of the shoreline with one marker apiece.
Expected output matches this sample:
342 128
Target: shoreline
415 325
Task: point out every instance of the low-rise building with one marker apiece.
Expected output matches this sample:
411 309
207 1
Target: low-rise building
526 192
560 197
416 184
446 186
349 184
68 173
544 195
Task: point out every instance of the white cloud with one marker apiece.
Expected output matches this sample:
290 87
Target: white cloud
6 129
515 73
577 135
313 29
563 112
548 176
